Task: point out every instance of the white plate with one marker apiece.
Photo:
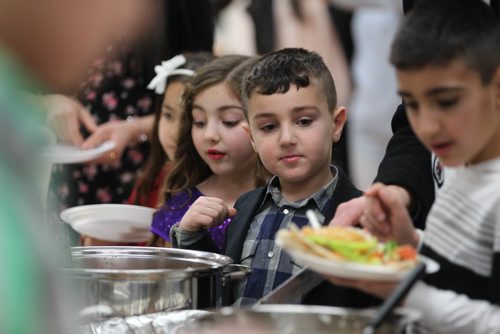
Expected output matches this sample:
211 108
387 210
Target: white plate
352 270
68 154
111 222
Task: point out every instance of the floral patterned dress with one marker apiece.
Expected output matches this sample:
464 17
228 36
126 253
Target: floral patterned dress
114 90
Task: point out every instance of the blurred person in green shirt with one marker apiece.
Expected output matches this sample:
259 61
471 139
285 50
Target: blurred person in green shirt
45 46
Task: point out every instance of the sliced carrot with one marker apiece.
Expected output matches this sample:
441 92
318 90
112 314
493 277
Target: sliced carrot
406 252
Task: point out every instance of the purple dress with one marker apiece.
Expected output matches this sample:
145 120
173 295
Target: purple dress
172 211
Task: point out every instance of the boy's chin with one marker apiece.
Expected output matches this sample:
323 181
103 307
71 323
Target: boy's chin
453 161
295 177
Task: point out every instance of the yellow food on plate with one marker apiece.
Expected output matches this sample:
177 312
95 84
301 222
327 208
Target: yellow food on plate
348 244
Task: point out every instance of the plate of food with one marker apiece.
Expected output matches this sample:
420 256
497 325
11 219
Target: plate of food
68 154
350 252
111 222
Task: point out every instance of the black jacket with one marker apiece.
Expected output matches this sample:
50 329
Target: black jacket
407 163
248 205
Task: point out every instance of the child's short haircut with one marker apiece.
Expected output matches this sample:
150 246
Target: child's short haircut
276 71
437 32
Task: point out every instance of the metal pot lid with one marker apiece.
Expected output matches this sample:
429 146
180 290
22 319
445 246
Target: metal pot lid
129 261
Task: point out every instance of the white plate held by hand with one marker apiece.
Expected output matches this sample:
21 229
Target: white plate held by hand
353 270
111 222
69 154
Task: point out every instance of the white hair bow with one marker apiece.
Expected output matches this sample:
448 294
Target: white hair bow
166 69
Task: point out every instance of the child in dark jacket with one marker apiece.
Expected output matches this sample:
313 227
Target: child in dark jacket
293 120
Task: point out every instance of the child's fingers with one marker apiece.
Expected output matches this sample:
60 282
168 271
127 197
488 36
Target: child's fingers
374 209
376 228
374 218
374 189
232 212
207 212
393 203
349 213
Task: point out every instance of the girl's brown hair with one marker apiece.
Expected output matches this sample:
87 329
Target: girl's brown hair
189 169
158 158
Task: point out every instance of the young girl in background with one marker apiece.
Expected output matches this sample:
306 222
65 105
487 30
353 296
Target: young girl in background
214 156
170 81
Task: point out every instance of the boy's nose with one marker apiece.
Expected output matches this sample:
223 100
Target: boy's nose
427 126
287 136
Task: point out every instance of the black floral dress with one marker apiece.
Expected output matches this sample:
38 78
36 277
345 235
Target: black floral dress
114 90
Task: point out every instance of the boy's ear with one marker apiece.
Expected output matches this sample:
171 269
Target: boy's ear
339 119
247 130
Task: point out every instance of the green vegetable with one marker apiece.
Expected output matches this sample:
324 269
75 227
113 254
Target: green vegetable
390 247
358 251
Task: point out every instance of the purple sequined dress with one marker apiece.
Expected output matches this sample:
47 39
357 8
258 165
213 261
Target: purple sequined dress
172 211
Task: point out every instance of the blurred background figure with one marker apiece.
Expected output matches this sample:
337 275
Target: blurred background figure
113 103
261 26
374 96
40 53
352 37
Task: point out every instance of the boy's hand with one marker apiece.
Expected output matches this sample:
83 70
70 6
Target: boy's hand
386 214
350 213
205 212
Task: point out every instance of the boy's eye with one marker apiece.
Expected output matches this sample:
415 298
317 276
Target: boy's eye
304 121
447 103
410 105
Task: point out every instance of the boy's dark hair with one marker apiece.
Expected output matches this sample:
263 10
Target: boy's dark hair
436 32
275 72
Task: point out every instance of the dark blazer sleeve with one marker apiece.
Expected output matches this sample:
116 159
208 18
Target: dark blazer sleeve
246 206
407 163
205 245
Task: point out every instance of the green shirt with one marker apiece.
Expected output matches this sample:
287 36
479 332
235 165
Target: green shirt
24 263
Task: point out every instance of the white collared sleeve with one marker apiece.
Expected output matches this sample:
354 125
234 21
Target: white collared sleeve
445 311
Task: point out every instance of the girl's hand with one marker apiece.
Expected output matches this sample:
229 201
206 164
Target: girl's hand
386 215
64 116
205 212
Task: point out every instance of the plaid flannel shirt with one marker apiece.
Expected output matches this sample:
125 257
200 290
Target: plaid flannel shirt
270 266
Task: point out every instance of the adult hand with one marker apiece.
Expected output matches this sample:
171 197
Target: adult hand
349 213
205 212
386 215
64 117
122 133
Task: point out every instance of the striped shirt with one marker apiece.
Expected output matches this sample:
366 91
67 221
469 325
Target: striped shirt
463 235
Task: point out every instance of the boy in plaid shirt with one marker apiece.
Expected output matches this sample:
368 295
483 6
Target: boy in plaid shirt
293 119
